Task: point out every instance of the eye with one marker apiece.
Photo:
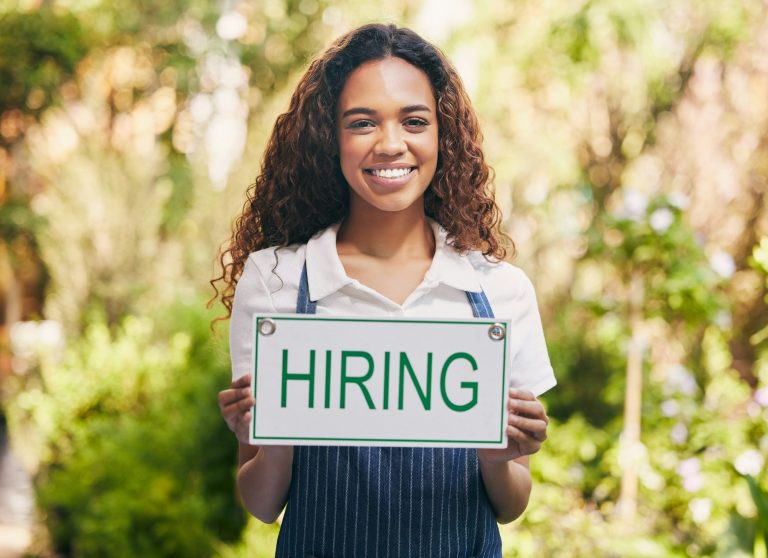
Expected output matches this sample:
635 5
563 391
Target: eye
416 122
360 124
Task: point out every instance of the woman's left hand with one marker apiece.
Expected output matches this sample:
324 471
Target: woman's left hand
526 428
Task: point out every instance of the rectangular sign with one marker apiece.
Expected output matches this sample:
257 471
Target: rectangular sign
324 380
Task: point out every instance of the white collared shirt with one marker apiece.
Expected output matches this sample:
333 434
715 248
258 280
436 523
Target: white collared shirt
270 283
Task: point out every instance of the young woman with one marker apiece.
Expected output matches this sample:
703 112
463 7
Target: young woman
373 200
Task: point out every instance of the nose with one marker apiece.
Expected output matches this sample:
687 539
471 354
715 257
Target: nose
390 141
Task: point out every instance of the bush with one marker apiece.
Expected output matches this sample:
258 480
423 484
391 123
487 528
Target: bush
135 458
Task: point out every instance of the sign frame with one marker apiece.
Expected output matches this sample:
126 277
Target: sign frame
499 441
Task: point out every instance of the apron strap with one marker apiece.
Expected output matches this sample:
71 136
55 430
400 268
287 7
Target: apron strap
303 304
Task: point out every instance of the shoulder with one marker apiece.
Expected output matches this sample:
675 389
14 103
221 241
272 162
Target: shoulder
277 266
501 280
270 280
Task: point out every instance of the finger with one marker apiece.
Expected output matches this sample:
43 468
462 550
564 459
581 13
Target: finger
533 409
538 428
242 381
521 394
230 396
246 403
526 442
237 408
225 398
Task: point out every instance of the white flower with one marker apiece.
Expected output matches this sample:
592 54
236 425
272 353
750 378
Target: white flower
30 337
651 479
635 204
679 200
690 471
231 26
761 396
670 408
693 483
723 319
576 473
679 433
689 467
722 263
662 219
749 463
680 379
201 108
700 509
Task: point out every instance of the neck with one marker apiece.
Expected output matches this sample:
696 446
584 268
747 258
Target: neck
388 235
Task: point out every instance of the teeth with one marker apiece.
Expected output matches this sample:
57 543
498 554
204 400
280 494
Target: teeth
390 173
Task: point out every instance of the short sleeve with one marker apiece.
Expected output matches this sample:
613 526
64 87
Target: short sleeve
530 366
251 296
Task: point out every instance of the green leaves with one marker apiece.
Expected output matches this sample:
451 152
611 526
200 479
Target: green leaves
39 51
136 459
651 237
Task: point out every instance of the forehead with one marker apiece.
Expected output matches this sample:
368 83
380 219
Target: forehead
391 82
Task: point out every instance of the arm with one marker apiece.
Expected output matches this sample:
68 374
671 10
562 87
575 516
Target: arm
264 478
508 484
505 471
264 472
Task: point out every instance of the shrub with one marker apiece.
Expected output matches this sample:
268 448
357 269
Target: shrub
135 458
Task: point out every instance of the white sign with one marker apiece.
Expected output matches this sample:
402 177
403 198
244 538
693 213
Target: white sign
324 380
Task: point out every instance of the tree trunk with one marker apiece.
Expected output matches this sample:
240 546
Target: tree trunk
631 448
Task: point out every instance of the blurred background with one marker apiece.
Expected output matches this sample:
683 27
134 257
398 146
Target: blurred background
630 143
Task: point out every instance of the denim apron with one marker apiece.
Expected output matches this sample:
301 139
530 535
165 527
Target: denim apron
368 502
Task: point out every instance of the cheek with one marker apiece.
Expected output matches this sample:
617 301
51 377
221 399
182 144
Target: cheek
431 148
347 154
432 142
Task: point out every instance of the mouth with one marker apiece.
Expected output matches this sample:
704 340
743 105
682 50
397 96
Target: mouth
390 173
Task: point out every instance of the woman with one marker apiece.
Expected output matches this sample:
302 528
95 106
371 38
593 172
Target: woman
372 201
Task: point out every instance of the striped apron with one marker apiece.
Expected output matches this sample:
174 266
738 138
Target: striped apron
367 502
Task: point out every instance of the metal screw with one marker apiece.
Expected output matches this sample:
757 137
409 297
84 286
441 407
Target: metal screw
497 332
267 326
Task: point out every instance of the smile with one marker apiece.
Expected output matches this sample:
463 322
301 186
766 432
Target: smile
390 173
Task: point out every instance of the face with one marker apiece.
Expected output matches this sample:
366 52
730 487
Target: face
386 126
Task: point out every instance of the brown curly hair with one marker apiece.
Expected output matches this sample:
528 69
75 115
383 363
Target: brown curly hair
301 189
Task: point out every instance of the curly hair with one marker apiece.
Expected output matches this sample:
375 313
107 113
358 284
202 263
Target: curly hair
301 189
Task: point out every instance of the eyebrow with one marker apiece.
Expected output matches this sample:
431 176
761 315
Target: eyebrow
370 111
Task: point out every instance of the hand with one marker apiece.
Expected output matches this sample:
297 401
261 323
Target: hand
526 428
235 404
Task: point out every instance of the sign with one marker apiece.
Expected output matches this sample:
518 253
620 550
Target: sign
325 380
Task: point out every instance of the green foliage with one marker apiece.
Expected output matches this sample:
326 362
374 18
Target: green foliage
19 228
39 50
760 256
258 541
577 352
656 243
760 498
136 459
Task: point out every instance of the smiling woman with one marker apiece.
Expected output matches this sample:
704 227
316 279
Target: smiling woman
387 136
373 201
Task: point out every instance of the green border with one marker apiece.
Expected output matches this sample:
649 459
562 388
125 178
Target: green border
482 321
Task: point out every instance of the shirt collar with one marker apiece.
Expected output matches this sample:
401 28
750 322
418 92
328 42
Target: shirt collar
449 266
326 275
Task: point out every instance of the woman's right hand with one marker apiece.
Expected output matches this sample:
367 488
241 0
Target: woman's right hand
235 404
